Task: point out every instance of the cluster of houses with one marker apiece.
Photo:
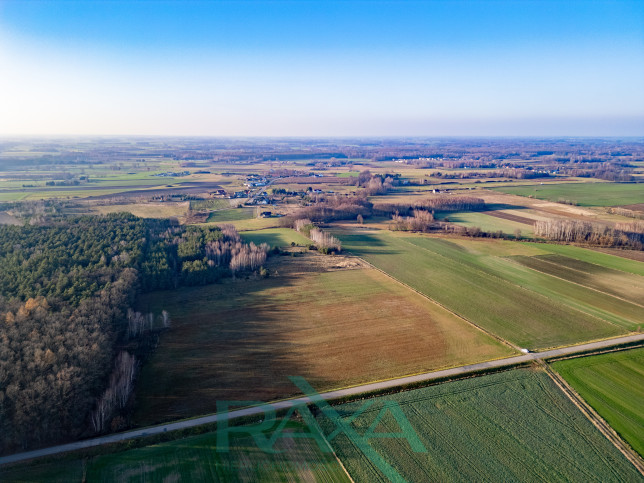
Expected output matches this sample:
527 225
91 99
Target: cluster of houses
255 181
172 174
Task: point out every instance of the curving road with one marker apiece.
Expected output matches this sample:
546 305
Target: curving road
352 391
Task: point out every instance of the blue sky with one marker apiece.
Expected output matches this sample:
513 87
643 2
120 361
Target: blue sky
300 68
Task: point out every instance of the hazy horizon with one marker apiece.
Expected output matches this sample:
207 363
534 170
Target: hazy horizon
322 69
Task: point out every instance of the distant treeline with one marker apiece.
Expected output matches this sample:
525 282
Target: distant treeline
66 291
630 235
514 173
604 171
332 208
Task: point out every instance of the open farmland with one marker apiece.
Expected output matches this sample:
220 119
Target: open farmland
147 210
583 194
511 426
251 224
613 384
488 222
196 458
233 214
604 257
325 318
625 286
275 237
473 279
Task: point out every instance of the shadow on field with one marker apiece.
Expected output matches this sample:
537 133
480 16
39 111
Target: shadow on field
502 206
228 341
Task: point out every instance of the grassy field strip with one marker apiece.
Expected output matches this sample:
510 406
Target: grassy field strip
593 257
613 385
500 339
147 210
250 224
481 266
629 315
488 222
475 265
633 255
571 275
597 304
597 420
511 426
275 237
231 214
196 458
517 315
584 194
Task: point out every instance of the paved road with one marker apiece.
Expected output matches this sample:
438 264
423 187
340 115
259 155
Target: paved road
352 391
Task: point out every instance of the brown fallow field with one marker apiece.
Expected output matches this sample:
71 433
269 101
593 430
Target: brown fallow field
329 319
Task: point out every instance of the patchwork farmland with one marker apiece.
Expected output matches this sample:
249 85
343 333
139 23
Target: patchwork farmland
583 194
613 384
529 308
197 458
328 319
512 426
440 268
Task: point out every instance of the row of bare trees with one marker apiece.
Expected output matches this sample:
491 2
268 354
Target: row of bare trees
378 186
231 251
248 257
331 208
117 393
419 221
629 235
324 241
138 323
453 203
626 212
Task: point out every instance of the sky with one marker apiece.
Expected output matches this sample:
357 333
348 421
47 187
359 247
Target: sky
322 68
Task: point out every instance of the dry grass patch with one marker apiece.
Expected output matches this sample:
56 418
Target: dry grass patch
146 210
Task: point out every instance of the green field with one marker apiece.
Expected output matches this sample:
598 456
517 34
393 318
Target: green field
196 458
625 286
334 326
613 384
482 281
591 256
488 223
512 426
211 204
583 194
233 214
275 237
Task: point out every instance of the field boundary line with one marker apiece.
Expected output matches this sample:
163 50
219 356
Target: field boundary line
580 310
599 422
337 459
521 287
365 390
582 285
425 296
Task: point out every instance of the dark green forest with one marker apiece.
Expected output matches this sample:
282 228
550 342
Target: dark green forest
66 295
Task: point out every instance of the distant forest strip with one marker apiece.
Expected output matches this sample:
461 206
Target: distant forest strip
66 324
628 235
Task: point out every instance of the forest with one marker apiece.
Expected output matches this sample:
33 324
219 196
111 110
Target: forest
66 322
